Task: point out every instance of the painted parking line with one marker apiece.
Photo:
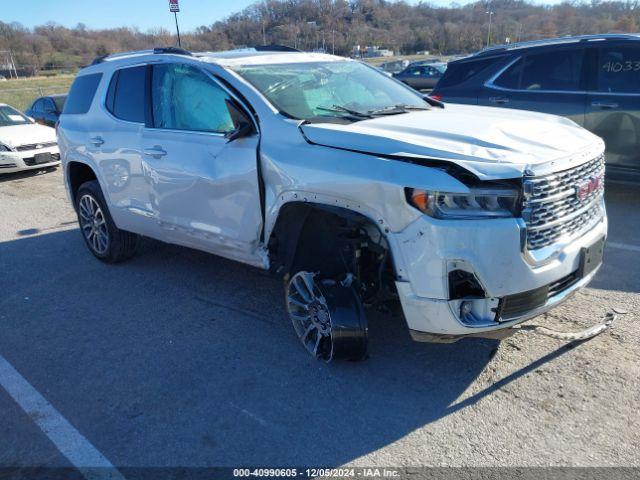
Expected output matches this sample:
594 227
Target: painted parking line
624 246
78 450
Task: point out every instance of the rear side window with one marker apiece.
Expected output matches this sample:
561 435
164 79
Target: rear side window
511 76
556 70
81 94
125 97
458 73
619 70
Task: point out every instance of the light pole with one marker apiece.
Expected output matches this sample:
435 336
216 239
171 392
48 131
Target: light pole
490 13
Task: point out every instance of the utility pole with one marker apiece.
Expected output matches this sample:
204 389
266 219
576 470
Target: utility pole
174 8
264 12
177 29
490 13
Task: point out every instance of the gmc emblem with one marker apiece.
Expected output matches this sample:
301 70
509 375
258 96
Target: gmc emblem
585 189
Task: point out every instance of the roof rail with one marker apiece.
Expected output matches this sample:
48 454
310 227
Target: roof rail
99 59
173 50
557 40
274 48
157 50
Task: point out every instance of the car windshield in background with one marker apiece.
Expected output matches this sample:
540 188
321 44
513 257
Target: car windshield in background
10 116
317 90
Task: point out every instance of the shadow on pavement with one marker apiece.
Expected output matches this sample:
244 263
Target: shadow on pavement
182 358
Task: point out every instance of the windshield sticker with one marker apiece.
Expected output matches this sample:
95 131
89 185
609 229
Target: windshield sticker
16 118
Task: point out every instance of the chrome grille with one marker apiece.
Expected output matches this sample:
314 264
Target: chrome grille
35 146
563 204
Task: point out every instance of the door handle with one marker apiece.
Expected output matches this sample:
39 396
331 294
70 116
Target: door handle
97 141
604 105
156 152
499 100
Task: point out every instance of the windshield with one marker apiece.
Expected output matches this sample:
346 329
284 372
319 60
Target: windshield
312 91
10 116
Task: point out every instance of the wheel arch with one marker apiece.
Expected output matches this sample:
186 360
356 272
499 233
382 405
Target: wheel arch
76 174
298 221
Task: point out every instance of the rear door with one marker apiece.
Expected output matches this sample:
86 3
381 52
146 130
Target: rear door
548 82
613 106
430 77
203 188
115 144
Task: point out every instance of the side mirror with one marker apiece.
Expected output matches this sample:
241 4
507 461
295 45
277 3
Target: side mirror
433 102
241 122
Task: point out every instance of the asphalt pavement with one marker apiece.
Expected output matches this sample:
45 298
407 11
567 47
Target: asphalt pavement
180 358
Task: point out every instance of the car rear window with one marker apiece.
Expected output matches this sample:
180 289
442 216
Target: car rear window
458 73
81 94
125 98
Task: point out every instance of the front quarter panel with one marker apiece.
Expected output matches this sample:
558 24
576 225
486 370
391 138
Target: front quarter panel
294 171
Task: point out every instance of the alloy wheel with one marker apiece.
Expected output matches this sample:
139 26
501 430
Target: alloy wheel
310 314
93 224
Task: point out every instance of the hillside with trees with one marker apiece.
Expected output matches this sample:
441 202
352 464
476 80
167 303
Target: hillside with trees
336 25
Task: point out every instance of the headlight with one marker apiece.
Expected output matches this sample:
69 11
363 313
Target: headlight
479 203
4 148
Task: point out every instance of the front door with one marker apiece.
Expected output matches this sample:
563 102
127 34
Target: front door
613 107
203 189
548 82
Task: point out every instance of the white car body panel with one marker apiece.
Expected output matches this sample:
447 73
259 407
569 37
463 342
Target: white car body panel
503 144
42 138
205 193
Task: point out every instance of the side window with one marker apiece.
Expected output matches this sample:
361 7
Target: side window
556 70
510 78
81 94
416 71
619 70
185 98
125 97
458 73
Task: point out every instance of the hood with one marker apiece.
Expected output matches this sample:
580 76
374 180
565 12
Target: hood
16 135
490 142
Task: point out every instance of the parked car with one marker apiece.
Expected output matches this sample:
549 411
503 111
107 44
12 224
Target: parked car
422 76
594 80
46 110
353 188
395 66
23 144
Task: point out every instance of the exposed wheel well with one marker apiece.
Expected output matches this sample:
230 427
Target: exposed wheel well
77 174
333 241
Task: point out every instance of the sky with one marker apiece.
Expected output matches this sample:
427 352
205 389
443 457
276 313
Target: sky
144 14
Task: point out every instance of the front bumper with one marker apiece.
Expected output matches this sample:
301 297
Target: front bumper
492 251
11 162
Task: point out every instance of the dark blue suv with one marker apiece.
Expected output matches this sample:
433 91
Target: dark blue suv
594 80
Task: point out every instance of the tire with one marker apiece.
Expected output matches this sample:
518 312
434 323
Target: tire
328 317
106 241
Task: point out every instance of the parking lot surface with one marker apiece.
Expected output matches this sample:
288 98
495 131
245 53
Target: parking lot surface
179 358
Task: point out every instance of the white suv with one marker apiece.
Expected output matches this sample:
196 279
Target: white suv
356 190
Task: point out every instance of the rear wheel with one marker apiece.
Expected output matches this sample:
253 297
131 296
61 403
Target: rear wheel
327 316
106 241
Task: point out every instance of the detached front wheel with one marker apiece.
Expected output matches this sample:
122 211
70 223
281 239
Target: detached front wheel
327 316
